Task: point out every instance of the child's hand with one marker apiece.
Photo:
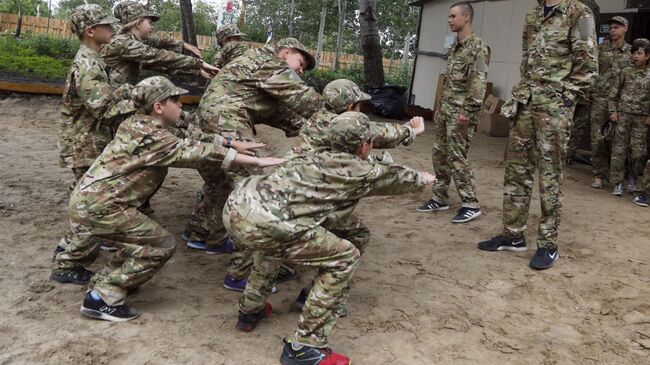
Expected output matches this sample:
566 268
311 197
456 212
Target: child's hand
269 161
428 178
614 117
208 69
417 124
192 49
245 147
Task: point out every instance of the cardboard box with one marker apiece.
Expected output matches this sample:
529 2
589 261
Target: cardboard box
491 121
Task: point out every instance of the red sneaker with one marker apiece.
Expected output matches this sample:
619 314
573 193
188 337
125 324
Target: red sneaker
248 321
293 354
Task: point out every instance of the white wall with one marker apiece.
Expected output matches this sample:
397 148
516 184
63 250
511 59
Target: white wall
499 23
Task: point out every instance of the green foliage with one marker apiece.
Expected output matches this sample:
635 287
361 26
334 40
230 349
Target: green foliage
400 75
318 78
205 16
28 6
42 57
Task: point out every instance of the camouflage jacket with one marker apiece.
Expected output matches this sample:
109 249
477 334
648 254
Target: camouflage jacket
90 105
611 61
164 42
384 135
251 90
135 163
301 194
630 93
228 53
560 56
126 55
466 75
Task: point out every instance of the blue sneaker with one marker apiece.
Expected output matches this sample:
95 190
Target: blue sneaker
640 200
239 285
466 214
225 248
432 206
544 258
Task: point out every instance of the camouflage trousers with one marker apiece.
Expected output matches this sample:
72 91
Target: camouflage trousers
145 247
629 144
599 145
451 143
644 184
580 123
539 139
335 258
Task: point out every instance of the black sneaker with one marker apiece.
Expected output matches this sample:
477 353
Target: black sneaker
432 206
640 200
295 354
503 243
78 275
98 309
544 258
248 321
58 249
465 215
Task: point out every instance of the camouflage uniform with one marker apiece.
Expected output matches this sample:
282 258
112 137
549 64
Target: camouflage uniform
463 93
559 64
630 98
644 185
610 63
230 50
254 89
125 175
280 217
127 54
580 122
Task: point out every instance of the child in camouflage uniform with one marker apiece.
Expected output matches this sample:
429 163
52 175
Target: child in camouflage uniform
105 201
629 108
281 216
134 48
230 47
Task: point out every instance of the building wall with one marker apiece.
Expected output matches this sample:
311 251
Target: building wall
499 23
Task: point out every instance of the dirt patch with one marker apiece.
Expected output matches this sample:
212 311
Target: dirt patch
422 295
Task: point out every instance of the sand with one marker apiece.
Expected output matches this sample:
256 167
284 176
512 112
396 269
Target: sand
423 293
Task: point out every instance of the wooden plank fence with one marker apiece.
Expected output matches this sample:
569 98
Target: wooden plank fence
32 25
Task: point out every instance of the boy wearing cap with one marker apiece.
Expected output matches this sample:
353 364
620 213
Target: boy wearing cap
613 56
629 109
128 52
280 217
254 88
104 203
455 122
229 41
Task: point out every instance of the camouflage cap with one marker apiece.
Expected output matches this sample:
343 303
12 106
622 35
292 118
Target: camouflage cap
128 12
153 89
341 93
619 19
293 43
640 41
348 131
88 15
226 31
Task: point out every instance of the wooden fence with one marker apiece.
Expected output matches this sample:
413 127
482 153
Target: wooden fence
59 28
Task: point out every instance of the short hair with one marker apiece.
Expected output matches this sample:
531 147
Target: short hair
466 7
644 46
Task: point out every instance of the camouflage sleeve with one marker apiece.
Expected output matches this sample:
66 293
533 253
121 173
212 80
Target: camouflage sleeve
165 42
390 135
521 91
165 149
218 60
615 91
286 120
394 179
100 99
584 54
287 87
159 59
477 82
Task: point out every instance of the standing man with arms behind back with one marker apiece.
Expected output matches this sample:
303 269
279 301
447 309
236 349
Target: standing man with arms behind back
559 64
454 125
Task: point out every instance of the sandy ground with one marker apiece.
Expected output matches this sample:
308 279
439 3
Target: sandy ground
423 294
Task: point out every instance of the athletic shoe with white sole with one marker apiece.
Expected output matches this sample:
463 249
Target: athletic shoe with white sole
503 243
618 190
296 354
94 307
465 215
640 200
544 258
432 206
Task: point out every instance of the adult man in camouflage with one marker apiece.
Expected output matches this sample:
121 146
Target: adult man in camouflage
251 90
613 55
230 46
559 65
455 123
105 202
281 215
134 48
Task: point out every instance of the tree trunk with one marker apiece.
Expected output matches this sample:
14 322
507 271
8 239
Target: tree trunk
407 43
291 20
373 69
187 22
339 35
321 31
19 23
